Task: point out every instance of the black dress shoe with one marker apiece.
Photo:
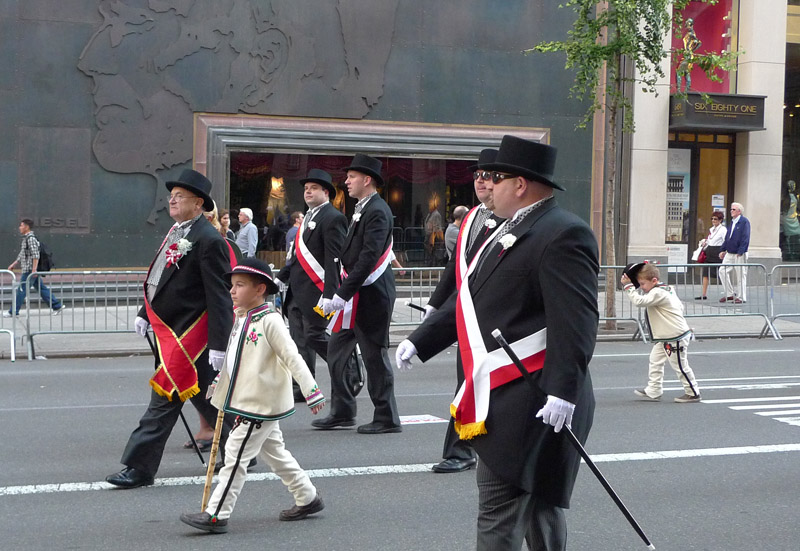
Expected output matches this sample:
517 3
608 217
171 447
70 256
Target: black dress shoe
204 521
331 422
378 428
130 478
454 465
300 512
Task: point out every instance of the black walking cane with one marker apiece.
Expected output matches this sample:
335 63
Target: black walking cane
185 424
498 336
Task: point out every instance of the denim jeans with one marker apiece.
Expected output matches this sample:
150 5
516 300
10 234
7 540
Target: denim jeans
37 282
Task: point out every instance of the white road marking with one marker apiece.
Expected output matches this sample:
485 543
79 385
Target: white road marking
401 469
783 412
422 419
762 406
695 353
750 400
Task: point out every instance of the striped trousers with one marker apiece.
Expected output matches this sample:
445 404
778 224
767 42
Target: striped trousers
508 514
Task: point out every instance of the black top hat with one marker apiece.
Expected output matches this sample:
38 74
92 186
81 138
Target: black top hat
367 165
197 183
532 160
253 266
322 178
487 156
632 271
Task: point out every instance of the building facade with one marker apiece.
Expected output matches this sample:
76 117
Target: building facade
103 102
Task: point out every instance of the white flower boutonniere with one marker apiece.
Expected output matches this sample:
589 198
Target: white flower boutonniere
357 217
490 224
507 241
176 251
312 225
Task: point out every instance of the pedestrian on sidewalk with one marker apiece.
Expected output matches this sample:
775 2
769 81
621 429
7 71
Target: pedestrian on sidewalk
255 384
668 329
733 254
28 261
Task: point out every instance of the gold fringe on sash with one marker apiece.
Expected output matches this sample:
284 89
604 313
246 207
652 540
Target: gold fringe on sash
183 396
470 430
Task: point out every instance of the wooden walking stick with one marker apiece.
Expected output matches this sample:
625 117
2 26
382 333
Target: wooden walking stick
212 459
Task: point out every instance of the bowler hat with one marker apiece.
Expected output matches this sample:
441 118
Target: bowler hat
632 271
196 183
531 160
253 266
486 156
367 165
322 178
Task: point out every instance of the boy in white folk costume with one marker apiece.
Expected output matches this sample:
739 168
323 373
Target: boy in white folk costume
668 328
256 384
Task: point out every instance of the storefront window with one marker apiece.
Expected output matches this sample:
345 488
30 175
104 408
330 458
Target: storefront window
789 225
714 26
421 193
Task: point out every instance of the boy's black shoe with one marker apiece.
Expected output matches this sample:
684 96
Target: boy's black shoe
204 521
299 513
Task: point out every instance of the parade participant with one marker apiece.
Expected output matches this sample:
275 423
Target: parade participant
255 384
188 304
479 225
311 271
363 304
536 281
668 329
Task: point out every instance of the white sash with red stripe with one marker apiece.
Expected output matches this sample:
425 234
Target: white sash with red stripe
483 370
310 265
346 318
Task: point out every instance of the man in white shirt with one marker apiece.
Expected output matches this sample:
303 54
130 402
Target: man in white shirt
247 238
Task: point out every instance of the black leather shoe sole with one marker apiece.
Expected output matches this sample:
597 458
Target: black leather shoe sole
299 513
126 482
328 423
454 465
377 429
203 522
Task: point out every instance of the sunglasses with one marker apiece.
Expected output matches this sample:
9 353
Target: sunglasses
498 177
481 174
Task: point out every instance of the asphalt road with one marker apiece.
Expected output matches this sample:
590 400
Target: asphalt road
725 476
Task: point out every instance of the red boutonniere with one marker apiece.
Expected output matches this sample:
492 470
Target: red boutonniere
176 251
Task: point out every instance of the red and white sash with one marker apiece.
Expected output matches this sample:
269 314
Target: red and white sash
310 265
346 318
483 370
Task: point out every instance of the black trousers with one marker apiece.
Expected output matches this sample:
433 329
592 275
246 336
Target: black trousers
310 338
508 514
380 377
454 447
146 444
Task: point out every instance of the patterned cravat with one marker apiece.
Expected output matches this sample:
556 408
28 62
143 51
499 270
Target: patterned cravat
479 224
175 234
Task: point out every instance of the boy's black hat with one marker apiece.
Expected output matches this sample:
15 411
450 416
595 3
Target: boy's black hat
632 271
256 267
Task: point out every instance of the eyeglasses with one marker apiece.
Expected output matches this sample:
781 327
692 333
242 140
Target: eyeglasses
482 174
498 177
178 197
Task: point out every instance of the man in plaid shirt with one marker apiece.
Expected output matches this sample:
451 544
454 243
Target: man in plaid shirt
28 261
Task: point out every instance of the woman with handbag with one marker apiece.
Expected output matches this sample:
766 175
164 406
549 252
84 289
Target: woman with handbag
710 247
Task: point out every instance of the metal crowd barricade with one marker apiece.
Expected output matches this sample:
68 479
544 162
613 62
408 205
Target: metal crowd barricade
623 309
8 303
413 285
93 301
784 298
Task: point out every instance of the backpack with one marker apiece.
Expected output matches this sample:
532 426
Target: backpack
45 257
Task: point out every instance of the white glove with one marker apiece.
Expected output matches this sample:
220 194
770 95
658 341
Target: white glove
327 306
141 325
404 353
281 285
215 358
557 412
428 311
337 303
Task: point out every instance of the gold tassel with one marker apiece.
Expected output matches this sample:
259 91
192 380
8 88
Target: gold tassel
189 392
470 430
159 390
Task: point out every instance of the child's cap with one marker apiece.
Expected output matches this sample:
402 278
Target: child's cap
256 267
632 271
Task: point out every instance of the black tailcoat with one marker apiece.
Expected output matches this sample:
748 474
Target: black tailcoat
325 244
367 239
548 278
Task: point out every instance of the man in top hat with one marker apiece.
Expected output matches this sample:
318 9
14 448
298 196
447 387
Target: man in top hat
311 271
190 310
478 226
363 305
541 266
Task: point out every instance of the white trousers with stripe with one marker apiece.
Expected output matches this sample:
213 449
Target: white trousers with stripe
678 360
265 440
